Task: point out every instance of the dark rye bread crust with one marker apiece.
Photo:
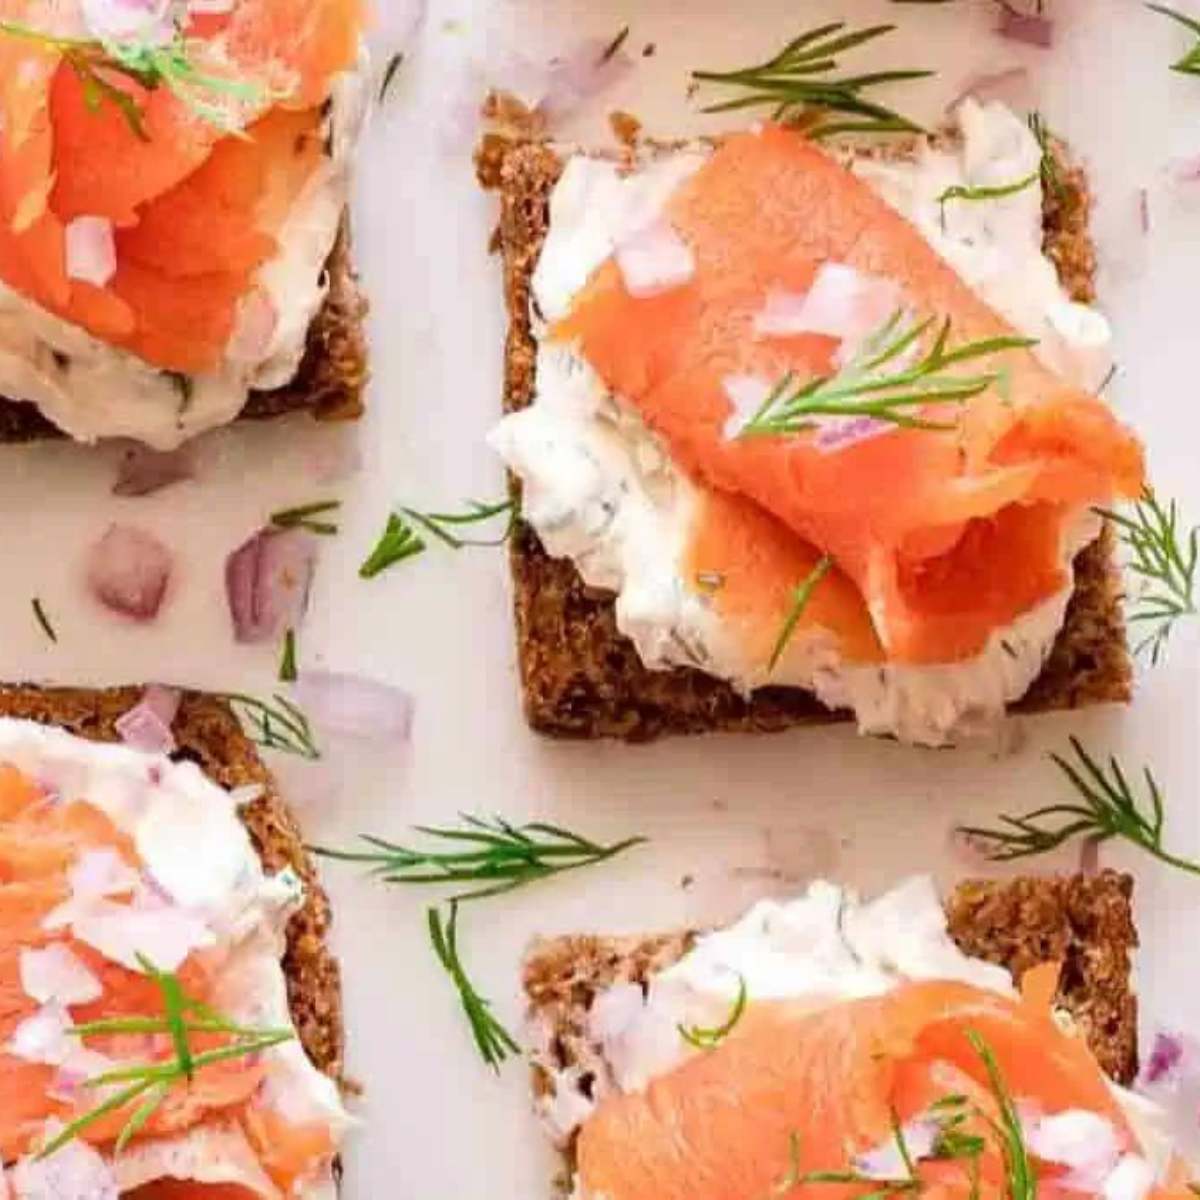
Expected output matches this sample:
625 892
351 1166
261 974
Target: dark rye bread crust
329 383
582 678
1083 922
208 734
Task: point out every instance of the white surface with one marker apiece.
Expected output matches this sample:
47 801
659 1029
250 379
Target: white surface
725 810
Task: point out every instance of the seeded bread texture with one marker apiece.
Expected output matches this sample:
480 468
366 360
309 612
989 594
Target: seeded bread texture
581 678
329 383
1083 922
208 734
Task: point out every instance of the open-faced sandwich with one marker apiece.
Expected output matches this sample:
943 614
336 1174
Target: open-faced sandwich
173 187
827 1048
171 1025
805 433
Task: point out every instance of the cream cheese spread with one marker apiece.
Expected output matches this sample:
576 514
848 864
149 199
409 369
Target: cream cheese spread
201 862
92 390
601 490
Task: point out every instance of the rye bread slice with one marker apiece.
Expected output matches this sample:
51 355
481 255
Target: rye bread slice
329 383
1083 922
581 678
208 734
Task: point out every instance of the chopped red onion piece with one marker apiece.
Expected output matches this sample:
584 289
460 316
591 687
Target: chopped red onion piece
355 705
1030 29
149 21
91 250
128 571
1165 1056
267 581
142 471
147 725
837 433
573 78
655 259
842 303
76 1171
1185 170
886 1161
747 394
42 1037
54 973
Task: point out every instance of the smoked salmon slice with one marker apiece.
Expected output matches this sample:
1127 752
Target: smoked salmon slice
947 534
44 839
796 1101
184 196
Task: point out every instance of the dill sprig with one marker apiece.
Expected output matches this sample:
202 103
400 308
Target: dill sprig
282 726
1106 808
796 84
951 1143
493 1041
389 74
288 672
1189 64
800 598
39 614
959 191
709 1038
1048 169
1165 559
613 48
308 516
151 1082
397 542
1018 1167
880 1188
881 384
400 540
493 853
151 66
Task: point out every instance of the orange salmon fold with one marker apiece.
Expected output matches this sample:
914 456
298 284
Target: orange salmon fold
947 536
793 1091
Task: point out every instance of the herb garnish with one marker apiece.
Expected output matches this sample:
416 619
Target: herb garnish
287 664
400 540
306 516
1051 176
283 727
1189 64
493 1041
863 388
800 599
952 1143
1165 560
494 853
796 84
44 621
1107 808
709 1039
150 66
182 1016
389 74
613 48
998 191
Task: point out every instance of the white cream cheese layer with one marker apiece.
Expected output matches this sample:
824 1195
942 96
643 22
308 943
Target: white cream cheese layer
601 490
92 390
198 856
